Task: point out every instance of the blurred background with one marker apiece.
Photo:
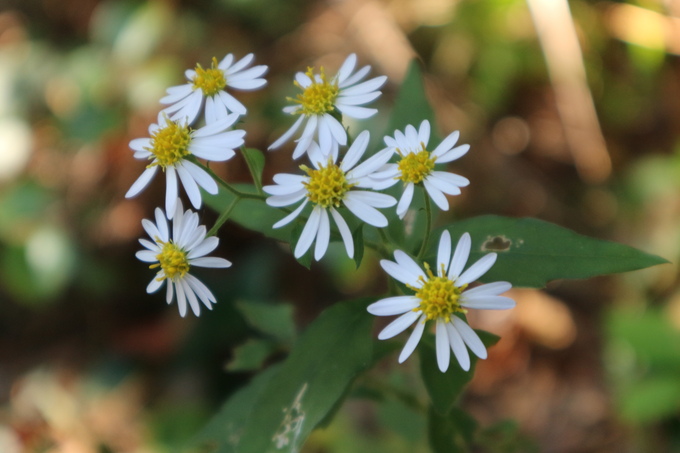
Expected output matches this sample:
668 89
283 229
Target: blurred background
573 114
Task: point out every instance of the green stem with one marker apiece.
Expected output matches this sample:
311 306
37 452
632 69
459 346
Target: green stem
257 180
223 217
428 213
226 185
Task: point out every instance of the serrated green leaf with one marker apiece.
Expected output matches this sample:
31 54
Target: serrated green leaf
444 388
532 252
222 434
324 362
274 320
255 159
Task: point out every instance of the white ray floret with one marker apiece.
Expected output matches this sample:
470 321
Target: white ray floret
169 147
439 297
322 100
174 251
327 187
209 87
416 166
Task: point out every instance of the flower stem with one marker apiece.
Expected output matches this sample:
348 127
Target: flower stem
428 217
226 185
223 217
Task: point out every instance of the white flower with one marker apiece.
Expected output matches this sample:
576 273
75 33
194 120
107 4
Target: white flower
416 166
175 253
210 84
438 298
169 147
327 187
321 98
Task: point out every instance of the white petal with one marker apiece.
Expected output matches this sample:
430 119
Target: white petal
372 164
446 145
308 232
487 302
216 127
211 261
375 199
448 182
359 99
242 63
325 136
398 325
357 112
232 104
154 285
201 177
460 256
411 266
477 270
489 289
405 200
442 346
288 178
347 67
151 229
413 340
345 232
365 212
181 299
177 93
436 195
170 191
355 151
147 256
278 201
391 306
141 182
286 220
201 291
357 76
452 155
206 246
323 236
190 186
398 272
191 296
424 133
458 346
226 62
364 87
470 337
444 253
140 144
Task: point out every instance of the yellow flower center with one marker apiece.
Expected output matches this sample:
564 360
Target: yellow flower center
211 81
172 260
414 167
439 297
326 186
170 144
319 97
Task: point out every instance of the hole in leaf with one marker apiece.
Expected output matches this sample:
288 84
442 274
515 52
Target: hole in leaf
496 244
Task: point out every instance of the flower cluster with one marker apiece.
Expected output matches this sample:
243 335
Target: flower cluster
342 181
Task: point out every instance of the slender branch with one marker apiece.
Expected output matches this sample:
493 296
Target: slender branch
223 217
426 239
226 185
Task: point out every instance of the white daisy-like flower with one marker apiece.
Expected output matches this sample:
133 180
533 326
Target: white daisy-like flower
438 298
416 166
175 252
169 146
328 186
321 98
210 85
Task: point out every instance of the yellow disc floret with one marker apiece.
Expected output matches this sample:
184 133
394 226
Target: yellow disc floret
439 297
414 167
170 144
173 260
326 186
319 97
211 81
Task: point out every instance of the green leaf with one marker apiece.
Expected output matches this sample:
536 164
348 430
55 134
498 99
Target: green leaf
255 160
311 382
250 355
411 105
452 432
358 237
274 320
223 433
532 252
651 400
444 388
